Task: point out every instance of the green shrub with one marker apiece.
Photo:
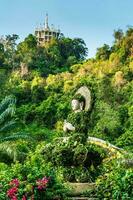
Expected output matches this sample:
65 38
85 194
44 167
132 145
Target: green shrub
126 140
34 169
79 161
116 184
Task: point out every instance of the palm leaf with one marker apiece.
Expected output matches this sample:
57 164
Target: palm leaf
7 138
15 137
10 150
8 126
8 112
9 100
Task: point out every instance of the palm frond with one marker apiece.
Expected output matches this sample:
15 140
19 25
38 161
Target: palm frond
9 100
15 137
8 112
7 138
11 151
8 126
8 149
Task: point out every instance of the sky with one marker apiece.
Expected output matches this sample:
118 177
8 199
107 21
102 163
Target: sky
92 20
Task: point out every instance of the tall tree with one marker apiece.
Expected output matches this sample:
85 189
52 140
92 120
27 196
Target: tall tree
103 53
118 34
10 50
2 58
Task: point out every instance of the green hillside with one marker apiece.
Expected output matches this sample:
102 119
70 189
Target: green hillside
38 84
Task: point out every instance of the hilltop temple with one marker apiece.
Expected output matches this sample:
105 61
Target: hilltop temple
45 34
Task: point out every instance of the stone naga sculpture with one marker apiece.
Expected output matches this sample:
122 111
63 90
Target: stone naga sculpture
80 102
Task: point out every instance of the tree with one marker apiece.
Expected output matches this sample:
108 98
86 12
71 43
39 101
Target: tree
73 47
79 49
10 41
103 53
10 50
26 49
2 55
129 31
118 34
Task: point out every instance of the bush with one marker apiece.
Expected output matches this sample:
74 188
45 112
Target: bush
79 161
126 140
116 185
33 178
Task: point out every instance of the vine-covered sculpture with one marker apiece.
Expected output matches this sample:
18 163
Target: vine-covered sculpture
81 104
80 160
85 93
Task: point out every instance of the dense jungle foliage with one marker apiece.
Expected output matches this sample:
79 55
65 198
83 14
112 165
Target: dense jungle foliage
37 84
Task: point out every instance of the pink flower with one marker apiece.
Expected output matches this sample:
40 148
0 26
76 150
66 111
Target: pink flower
12 192
24 197
14 182
40 187
42 183
14 198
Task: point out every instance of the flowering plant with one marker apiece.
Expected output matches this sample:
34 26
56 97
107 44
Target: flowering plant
14 182
38 188
42 183
12 193
34 179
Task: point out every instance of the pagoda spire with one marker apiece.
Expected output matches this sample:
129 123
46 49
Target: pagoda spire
46 21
